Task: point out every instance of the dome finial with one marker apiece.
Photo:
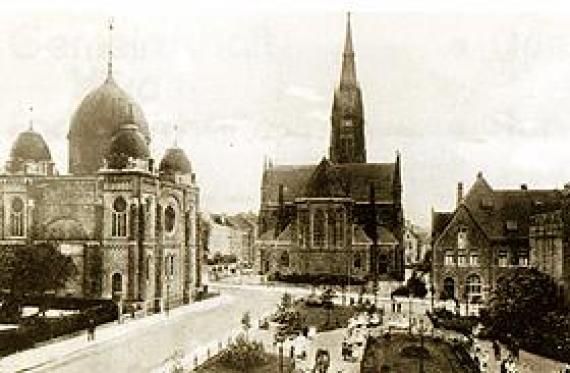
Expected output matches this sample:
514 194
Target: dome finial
110 60
31 109
175 135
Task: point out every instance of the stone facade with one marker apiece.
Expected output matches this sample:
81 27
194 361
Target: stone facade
129 226
342 216
493 231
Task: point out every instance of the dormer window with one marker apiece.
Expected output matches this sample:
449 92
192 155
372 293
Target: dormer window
487 203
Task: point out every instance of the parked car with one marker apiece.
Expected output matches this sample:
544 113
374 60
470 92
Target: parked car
374 320
314 301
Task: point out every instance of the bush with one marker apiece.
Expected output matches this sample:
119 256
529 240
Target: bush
415 352
401 291
243 355
38 329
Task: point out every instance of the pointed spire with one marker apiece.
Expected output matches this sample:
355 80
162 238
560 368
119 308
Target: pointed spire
31 109
348 74
348 42
110 59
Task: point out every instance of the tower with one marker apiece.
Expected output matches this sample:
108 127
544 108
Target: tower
347 118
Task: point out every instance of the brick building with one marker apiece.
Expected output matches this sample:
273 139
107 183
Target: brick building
492 231
342 216
129 225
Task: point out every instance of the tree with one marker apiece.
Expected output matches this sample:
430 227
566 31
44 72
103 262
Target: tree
520 298
524 310
417 286
246 323
33 270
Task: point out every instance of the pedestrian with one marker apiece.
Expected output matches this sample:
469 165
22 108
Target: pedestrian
91 330
497 350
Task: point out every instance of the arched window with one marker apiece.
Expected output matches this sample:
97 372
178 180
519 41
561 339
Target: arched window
319 229
448 288
119 218
169 219
17 217
284 260
340 227
473 288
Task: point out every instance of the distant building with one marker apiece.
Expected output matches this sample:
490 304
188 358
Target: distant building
342 216
128 223
230 236
245 230
493 231
416 243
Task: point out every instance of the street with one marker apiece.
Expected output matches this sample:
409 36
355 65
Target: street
144 349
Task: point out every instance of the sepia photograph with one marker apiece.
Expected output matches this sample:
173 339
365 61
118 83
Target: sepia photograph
342 186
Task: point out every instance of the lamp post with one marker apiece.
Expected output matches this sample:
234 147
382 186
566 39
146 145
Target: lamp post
280 339
167 306
421 330
409 312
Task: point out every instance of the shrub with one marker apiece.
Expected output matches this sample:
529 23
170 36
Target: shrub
243 355
415 352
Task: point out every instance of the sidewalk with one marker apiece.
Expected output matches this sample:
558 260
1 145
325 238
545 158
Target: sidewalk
50 353
528 362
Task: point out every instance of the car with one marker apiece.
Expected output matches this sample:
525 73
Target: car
374 320
313 300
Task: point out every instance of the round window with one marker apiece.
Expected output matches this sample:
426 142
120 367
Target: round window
17 205
120 205
169 218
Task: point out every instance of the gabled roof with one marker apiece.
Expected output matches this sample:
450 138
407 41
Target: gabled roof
353 180
503 213
439 220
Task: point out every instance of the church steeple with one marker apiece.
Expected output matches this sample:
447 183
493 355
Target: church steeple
347 119
348 74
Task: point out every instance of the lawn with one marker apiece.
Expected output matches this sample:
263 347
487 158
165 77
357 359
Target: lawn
215 366
383 351
319 316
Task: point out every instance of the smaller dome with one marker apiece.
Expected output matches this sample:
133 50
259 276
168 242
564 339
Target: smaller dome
30 146
127 143
175 161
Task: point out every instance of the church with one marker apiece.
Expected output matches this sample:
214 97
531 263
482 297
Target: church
128 223
342 217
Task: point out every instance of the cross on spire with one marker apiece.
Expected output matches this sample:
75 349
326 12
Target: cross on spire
110 58
175 135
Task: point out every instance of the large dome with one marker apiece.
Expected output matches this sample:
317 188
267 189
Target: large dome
30 146
175 161
94 123
127 143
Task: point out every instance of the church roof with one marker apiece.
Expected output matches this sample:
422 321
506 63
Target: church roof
30 145
353 180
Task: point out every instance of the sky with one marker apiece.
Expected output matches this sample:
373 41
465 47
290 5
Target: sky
456 89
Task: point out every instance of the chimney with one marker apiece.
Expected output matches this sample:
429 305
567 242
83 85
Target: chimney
459 193
524 187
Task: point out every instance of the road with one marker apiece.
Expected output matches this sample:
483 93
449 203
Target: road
145 349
